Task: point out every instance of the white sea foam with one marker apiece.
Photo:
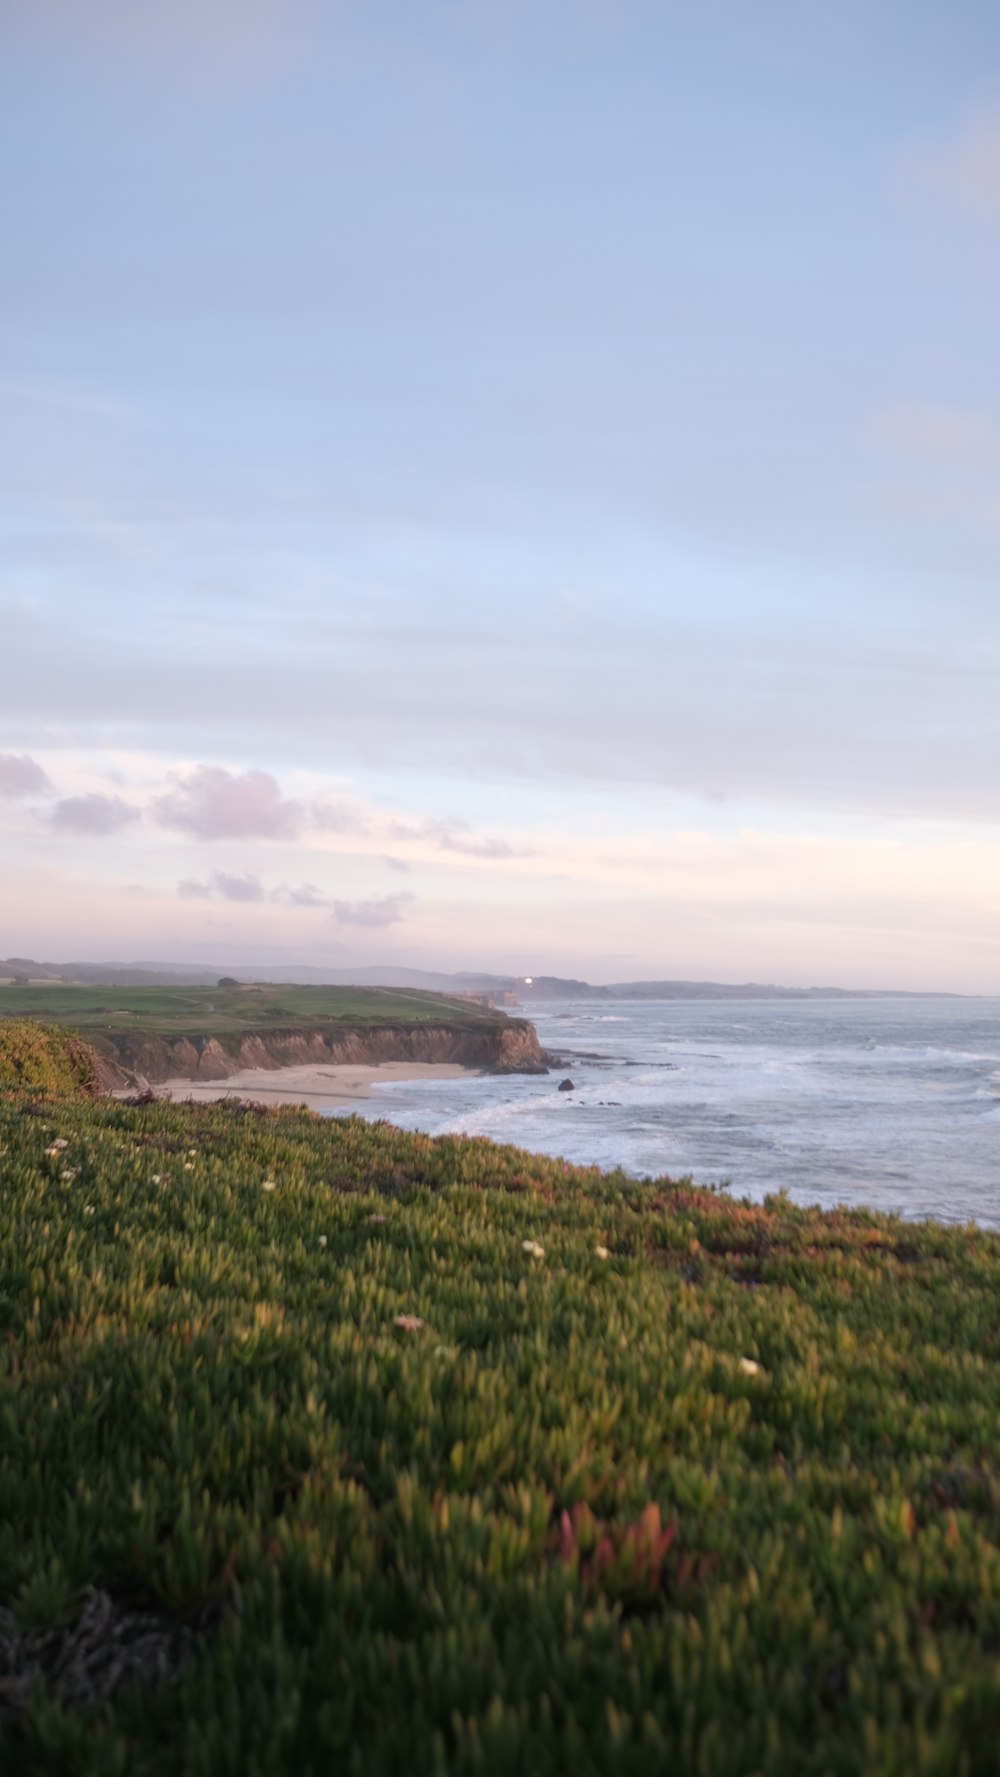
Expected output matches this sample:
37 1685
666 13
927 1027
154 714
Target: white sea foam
893 1103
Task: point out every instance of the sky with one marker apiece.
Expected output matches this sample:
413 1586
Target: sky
502 484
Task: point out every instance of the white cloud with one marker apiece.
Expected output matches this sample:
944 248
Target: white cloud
385 910
20 775
237 888
306 895
249 889
95 815
230 888
213 803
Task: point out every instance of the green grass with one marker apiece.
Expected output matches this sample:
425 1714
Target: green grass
726 1501
182 1011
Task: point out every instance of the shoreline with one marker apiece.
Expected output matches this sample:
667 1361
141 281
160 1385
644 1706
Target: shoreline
318 1085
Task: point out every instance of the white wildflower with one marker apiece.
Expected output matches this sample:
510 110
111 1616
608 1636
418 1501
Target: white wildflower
189 1166
408 1323
269 1185
322 1240
57 1146
750 1367
69 1173
532 1247
88 1209
157 1178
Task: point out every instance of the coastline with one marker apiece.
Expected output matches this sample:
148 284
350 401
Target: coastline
319 1086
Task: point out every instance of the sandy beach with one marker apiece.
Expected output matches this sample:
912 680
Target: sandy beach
321 1087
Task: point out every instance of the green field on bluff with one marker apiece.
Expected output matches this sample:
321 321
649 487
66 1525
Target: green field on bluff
399 1455
171 1011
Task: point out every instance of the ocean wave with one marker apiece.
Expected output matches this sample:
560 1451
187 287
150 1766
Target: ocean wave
889 1104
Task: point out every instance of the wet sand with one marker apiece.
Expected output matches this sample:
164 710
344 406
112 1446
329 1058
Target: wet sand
322 1087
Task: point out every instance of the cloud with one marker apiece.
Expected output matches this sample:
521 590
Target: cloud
95 815
941 433
455 836
20 775
399 864
338 817
213 803
965 172
224 40
383 910
307 895
946 466
237 888
250 889
471 846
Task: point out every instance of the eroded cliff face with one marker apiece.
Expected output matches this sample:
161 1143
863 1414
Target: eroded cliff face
130 1057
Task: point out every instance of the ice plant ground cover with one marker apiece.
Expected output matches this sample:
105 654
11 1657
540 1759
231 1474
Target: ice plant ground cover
438 1457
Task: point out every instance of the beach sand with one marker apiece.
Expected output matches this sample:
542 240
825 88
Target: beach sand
322 1087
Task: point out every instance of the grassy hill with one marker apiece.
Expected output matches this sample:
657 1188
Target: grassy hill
391 1454
169 1011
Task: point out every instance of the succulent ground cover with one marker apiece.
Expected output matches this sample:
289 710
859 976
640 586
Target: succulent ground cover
399 1455
45 1059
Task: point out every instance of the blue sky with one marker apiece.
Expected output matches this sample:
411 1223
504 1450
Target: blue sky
499 485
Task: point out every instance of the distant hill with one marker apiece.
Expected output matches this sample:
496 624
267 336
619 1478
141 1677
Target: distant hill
526 988
754 990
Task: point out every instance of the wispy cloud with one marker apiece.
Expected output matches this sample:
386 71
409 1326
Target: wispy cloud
945 464
212 803
306 895
20 775
249 889
456 837
95 815
940 433
385 910
231 888
338 817
964 171
224 42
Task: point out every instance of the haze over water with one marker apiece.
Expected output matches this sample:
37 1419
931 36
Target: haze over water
894 1104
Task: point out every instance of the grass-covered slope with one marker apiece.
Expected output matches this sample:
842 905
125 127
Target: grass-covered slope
43 1058
236 1010
463 1461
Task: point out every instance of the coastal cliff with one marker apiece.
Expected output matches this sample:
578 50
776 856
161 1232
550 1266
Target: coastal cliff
132 1057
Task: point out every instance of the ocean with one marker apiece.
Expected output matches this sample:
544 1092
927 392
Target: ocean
894 1104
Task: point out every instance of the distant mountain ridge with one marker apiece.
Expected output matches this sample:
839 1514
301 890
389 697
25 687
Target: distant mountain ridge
527 988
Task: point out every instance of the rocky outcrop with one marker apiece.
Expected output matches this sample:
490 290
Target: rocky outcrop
508 1048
